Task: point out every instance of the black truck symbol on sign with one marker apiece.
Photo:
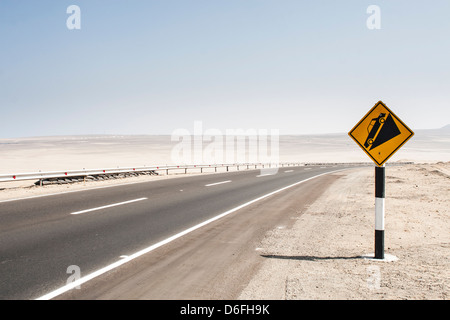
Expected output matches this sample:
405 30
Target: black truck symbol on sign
373 128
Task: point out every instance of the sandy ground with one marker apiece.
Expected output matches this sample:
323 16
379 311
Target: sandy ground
322 255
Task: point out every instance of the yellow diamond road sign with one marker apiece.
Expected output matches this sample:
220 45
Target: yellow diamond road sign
380 133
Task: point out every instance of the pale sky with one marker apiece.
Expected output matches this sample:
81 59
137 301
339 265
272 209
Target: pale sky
154 66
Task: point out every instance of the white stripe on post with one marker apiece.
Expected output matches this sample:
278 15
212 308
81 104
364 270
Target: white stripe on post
379 213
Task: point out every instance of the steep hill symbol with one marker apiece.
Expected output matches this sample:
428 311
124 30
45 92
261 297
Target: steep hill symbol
386 129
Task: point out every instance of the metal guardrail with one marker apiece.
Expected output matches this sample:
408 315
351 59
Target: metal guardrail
94 172
91 172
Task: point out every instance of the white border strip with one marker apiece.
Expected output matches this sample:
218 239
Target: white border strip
379 213
122 261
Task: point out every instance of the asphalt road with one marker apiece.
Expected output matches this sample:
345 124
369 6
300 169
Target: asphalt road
40 238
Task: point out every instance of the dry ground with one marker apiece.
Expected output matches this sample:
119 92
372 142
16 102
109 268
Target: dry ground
319 257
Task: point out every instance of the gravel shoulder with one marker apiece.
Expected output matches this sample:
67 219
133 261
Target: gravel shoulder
321 255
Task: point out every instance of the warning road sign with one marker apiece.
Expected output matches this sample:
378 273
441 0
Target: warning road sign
380 133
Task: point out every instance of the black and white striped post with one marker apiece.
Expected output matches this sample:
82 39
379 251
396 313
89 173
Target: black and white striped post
379 211
380 133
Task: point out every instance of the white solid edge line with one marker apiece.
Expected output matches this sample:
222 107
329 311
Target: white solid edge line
214 184
122 261
289 170
109 206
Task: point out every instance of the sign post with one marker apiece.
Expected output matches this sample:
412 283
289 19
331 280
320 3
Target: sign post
379 211
380 133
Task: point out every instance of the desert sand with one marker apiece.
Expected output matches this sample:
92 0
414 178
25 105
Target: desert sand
109 151
63 153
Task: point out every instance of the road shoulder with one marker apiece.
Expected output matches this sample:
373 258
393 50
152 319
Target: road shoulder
320 257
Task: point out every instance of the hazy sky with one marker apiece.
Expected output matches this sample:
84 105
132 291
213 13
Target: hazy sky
153 66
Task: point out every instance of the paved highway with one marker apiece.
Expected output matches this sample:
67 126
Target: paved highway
41 237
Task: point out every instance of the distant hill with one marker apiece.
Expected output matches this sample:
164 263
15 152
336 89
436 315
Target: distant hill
445 130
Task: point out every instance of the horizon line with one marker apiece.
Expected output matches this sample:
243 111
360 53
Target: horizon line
169 134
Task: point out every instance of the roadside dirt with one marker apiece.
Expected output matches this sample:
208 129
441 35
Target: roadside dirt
320 256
